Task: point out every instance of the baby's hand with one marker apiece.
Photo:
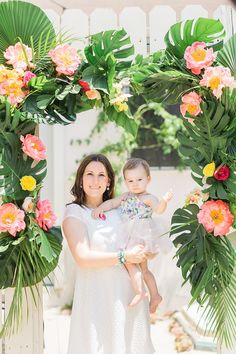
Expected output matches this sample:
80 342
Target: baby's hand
168 196
96 213
124 196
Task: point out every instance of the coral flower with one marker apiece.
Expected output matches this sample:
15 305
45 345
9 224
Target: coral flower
33 147
11 219
93 94
209 169
191 104
28 183
198 58
216 217
217 78
66 59
19 56
84 85
222 174
45 216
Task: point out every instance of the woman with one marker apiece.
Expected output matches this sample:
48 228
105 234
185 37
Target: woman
101 321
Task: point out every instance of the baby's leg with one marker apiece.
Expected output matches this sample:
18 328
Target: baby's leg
136 281
155 297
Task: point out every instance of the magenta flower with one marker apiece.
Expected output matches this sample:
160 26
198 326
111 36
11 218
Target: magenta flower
27 77
11 219
216 217
66 59
191 104
19 56
217 78
33 147
45 216
198 58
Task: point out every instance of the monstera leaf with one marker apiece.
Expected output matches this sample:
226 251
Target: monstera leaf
123 120
208 263
14 166
28 22
183 34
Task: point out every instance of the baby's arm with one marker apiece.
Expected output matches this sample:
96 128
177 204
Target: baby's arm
157 206
108 205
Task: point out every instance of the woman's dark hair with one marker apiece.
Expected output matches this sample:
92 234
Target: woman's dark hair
78 192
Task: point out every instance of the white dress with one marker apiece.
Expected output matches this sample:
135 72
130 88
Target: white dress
101 321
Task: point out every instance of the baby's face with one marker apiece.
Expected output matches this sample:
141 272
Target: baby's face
137 180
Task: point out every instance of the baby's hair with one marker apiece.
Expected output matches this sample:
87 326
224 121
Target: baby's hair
134 163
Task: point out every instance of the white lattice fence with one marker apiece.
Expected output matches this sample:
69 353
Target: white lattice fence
147 30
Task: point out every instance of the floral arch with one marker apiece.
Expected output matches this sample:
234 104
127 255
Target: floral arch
44 80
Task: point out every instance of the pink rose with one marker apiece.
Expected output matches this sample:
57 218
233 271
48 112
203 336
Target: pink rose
45 216
66 59
216 217
191 104
217 78
198 58
27 77
33 147
11 219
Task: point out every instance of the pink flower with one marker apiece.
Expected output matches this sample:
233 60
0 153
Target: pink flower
45 216
215 217
11 219
66 59
27 77
191 104
33 147
19 56
222 174
198 58
217 78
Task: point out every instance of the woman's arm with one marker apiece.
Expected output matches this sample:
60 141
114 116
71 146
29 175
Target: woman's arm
75 233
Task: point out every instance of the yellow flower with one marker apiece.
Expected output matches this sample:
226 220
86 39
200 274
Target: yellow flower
209 169
28 183
122 106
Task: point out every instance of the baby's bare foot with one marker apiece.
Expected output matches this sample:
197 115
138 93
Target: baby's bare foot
137 299
154 302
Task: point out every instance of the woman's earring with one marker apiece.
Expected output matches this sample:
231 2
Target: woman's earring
81 186
108 188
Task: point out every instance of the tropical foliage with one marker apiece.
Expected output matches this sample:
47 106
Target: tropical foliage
43 79
197 70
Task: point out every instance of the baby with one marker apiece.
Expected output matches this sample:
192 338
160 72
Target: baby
137 207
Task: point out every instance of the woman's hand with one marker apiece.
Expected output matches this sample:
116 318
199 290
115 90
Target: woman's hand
135 254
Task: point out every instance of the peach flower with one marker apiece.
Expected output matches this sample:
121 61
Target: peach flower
191 104
27 77
19 56
11 84
28 205
11 219
93 94
66 59
198 58
45 216
216 217
33 147
217 78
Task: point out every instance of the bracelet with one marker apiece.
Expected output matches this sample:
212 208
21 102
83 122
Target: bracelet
121 257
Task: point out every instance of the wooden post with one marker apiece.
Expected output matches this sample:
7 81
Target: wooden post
29 339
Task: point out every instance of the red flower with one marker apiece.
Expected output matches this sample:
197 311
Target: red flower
222 173
84 85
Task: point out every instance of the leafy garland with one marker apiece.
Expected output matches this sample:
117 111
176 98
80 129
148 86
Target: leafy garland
44 80
198 71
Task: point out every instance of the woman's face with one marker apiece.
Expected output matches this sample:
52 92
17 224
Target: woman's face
95 180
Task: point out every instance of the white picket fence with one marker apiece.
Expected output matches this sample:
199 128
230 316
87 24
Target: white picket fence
147 30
